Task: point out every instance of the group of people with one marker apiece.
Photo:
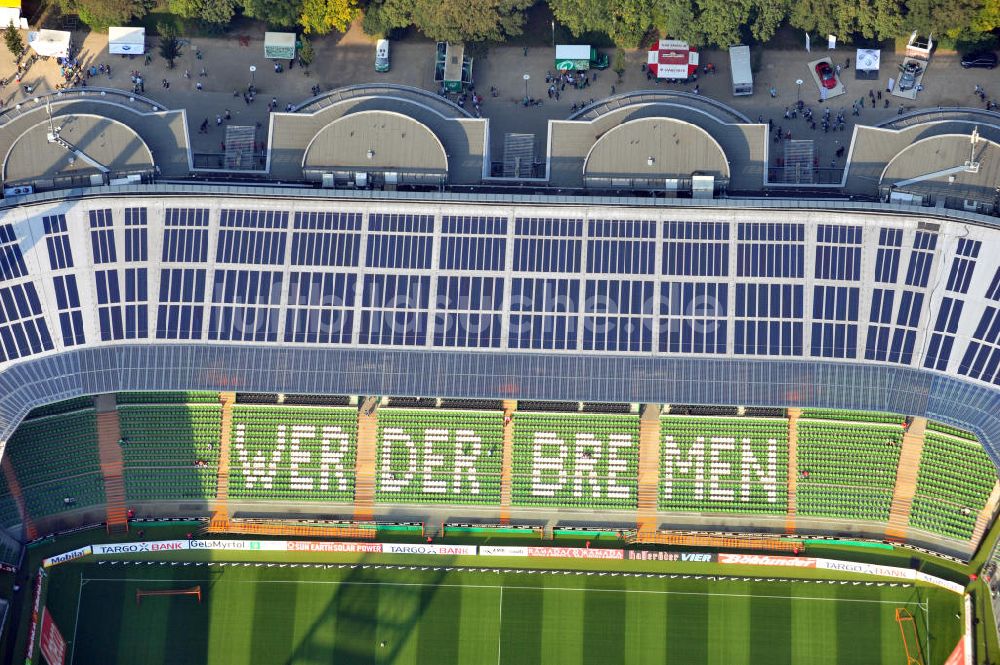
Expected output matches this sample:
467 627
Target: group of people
981 93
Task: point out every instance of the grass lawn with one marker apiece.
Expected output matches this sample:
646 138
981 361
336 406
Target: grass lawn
359 614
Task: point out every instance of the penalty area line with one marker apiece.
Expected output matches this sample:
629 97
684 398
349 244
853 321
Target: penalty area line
519 588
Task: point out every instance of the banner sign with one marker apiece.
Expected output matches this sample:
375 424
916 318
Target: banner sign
52 644
866 569
575 553
66 556
401 548
937 581
495 550
321 546
766 560
35 607
690 557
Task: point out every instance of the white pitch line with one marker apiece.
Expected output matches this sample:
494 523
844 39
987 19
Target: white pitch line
500 627
521 588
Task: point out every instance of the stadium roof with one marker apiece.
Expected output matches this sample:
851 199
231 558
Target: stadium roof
656 147
937 154
109 143
377 140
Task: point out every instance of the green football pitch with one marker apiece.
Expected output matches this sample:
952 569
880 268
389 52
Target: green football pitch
282 615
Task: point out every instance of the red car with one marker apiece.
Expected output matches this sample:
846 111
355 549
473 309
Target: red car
827 78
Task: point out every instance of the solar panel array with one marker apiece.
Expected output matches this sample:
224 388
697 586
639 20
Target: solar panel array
427 279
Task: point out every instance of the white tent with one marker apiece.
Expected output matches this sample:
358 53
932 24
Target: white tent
127 41
279 45
50 43
868 59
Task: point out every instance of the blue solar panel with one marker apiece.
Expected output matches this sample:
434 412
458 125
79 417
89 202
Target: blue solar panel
469 312
779 338
547 255
472 253
400 241
11 260
102 237
184 289
982 356
945 327
57 242
320 308
544 313
23 331
835 262
961 275
886 265
395 309
473 225
834 340
326 239
618 315
993 292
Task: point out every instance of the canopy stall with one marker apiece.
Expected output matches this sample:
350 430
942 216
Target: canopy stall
672 59
866 64
126 41
279 45
50 43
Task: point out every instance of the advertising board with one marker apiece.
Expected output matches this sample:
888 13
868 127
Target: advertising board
52 645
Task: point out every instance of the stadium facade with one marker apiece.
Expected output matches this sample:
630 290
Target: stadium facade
663 259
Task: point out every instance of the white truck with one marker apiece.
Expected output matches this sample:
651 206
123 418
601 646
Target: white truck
739 66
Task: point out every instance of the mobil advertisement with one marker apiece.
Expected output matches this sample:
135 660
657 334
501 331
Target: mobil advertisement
689 557
767 560
402 548
66 556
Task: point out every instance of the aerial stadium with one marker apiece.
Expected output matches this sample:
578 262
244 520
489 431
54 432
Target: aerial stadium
390 389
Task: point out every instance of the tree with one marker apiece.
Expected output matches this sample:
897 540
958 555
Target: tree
306 53
873 19
283 13
951 16
170 49
100 14
12 38
383 16
209 12
322 16
625 21
721 20
464 21
679 19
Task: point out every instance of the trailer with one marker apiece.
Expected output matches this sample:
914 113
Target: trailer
452 68
579 57
739 66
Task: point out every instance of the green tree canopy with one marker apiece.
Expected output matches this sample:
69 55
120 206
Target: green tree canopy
100 14
12 38
212 12
464 21
321 16
281 13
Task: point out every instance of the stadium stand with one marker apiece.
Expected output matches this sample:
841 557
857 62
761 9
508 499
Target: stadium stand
712 464
575 460
170 450
41 443
292 452
182 397
431 456
847 464
955 480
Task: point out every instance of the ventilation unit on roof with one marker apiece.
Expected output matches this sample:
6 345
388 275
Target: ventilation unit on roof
970 206
328 180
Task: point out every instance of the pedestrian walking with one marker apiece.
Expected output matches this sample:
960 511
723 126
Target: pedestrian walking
773 91
879 94
218 120
227 115
187 73
204 127
198 85
166 83
203 72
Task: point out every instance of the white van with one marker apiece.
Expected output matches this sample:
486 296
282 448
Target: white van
382 55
